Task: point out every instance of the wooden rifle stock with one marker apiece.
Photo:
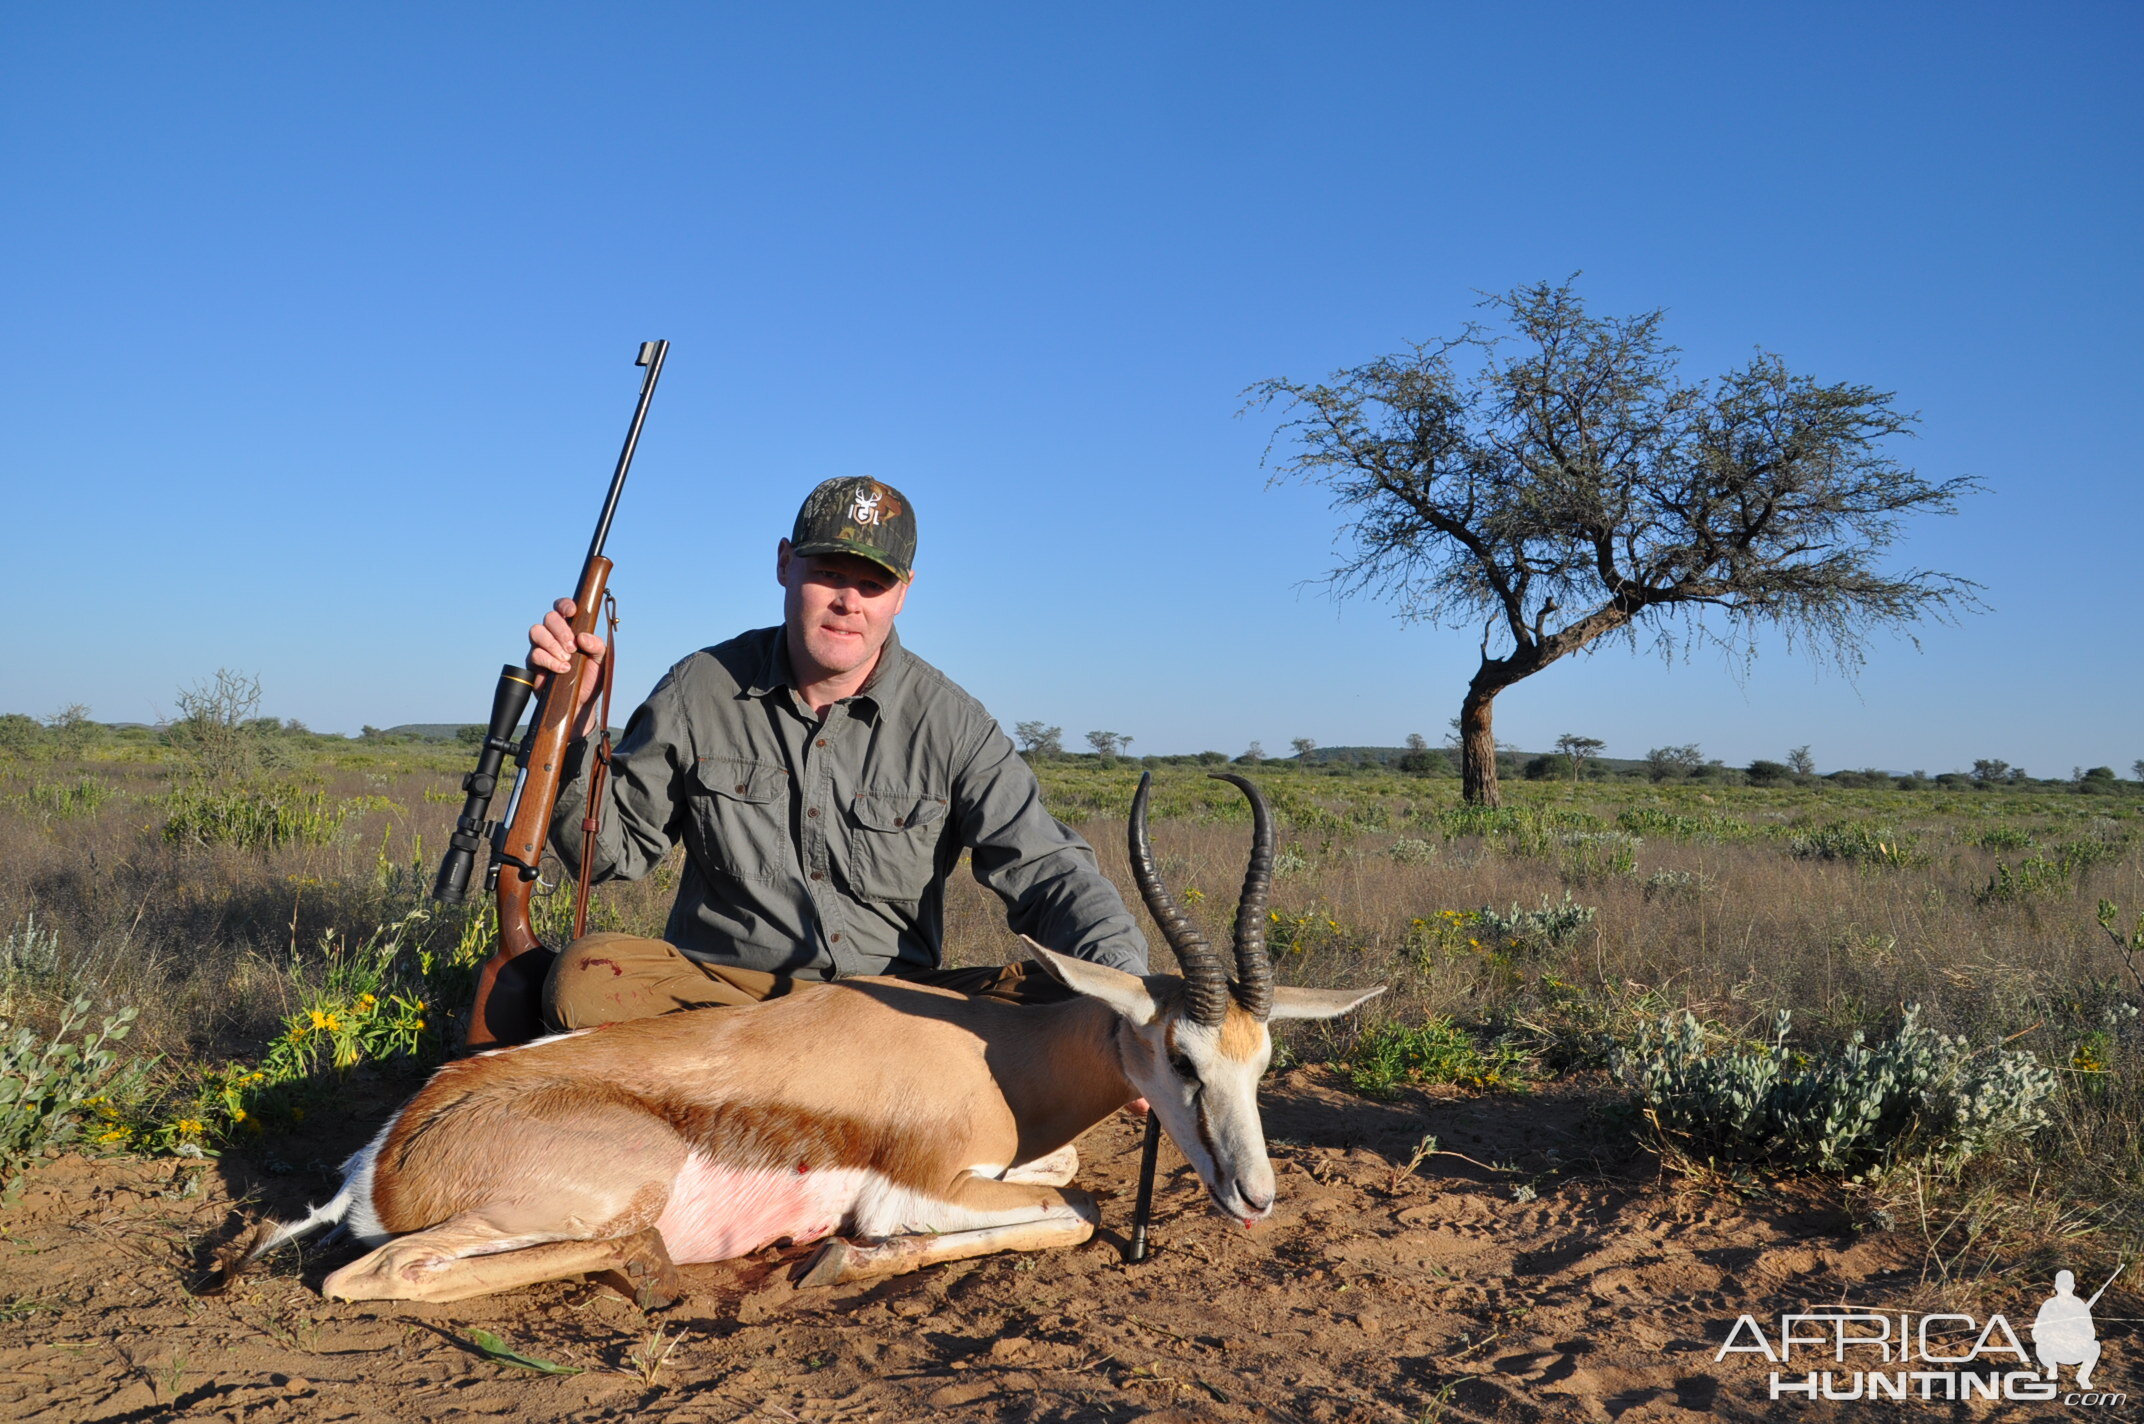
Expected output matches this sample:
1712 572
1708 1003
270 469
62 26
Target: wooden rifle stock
509 987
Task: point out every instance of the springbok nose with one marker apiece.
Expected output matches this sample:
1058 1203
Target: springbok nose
1256 1202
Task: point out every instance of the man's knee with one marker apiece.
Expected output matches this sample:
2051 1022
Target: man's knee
607 977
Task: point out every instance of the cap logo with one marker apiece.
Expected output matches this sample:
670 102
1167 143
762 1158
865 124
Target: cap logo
865 509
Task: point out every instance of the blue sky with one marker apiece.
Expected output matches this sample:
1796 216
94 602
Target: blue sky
316 344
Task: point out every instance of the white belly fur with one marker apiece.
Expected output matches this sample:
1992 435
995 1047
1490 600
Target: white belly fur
716 1213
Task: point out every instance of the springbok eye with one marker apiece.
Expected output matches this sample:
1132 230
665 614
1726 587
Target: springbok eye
1183 1067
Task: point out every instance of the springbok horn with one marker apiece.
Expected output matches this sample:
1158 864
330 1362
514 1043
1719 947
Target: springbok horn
1254 972
1204 978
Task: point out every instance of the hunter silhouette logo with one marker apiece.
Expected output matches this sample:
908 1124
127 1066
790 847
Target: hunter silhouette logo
2062 1332
865 509
1944 1356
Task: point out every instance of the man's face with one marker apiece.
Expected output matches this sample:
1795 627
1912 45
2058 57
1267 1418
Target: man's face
838 608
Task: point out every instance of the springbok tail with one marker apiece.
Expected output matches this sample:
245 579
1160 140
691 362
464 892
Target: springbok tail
231 1261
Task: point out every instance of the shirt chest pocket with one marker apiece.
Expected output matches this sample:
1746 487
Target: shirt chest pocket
893 843
740 816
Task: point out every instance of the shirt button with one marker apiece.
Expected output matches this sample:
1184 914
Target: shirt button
818 875
740 788
813 811
899 821
822 741
835 937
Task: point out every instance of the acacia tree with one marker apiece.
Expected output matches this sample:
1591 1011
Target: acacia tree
1039 740
1578 749
1557 482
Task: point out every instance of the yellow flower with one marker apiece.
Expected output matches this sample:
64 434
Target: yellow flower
366 1001
417 1025
238 1114
190 1127
117 1134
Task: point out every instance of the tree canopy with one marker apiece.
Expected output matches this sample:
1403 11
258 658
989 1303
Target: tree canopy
1554 480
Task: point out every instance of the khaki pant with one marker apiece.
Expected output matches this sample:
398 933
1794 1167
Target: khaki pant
607 976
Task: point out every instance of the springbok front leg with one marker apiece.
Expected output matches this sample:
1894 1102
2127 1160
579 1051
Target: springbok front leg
981 1216
466 1257
1052 1169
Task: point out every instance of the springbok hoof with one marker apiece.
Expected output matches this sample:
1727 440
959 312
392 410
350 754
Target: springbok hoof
655 1284
826 1268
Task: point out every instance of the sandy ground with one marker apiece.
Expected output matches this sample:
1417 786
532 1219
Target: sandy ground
1555 1276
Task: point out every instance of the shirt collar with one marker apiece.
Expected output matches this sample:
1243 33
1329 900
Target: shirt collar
775 671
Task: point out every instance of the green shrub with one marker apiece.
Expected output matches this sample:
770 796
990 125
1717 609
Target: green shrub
1650 821
2036 877
2002 838
29 955
1435 1052
1674 885
58 1090
1408 851
2089 851
1865 845
64 803
1549 927
1460 821
253 817
376 1002
1599 855
1918 1095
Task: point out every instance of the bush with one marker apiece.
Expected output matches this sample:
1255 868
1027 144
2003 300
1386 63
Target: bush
1598 855
29 957
64 803
1645 820
1864 844
1409 851
55 1090
253 817
1918 1095
1674 885
1437 1051
1532 930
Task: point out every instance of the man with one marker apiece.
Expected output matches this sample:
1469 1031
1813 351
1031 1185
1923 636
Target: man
825 782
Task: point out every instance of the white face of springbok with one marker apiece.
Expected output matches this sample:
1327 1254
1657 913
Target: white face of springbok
1196 1047
1202 1079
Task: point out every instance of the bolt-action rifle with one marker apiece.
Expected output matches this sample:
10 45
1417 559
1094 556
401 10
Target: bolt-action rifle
510 985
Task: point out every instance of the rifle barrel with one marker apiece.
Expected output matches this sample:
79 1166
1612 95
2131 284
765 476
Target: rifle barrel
651 356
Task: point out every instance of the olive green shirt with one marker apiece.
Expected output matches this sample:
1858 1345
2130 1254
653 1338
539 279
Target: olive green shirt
820 847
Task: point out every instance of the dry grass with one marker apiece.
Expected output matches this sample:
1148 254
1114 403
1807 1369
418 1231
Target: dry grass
1717 907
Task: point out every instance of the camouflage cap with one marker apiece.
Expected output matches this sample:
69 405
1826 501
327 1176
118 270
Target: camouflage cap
857 515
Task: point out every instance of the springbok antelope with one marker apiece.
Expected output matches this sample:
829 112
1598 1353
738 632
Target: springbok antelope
923 1125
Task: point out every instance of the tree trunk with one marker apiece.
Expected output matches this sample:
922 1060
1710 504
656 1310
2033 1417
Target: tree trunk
1477 748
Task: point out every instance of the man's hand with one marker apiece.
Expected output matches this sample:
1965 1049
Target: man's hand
549 642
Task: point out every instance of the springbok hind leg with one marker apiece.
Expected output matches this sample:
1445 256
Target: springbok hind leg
457 1260
1030 1218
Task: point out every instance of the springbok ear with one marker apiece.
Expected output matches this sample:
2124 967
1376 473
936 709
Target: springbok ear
1126 993
1320 1003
